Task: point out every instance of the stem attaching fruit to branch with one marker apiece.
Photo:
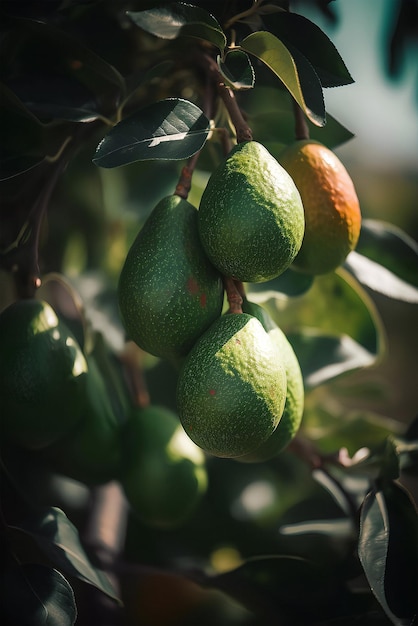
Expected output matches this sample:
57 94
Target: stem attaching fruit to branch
185 181
234 290
301 125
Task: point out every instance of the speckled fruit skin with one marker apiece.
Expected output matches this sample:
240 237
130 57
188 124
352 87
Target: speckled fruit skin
295 395
42 375
251 219
169 293
232 386
332 209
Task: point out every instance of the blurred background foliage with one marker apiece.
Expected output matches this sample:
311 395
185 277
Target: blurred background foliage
279 507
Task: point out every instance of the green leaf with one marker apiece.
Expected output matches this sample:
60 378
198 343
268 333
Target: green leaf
388 550
296 31
296 73
268 107
59 56
236 69
171 129
379 279
179 19
37 595
59 540
21 150
290 588
290 283
139 79
325 357
334 326
391 247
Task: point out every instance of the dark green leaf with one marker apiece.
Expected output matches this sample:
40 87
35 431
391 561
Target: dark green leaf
324 357
180 19
141 78
297 74
407 447
270 114
170 129
237 70
290 588
388 550
401 576
391 247
290 283
36 595
59 540
334 327
296 31
379 279
59 56
23 150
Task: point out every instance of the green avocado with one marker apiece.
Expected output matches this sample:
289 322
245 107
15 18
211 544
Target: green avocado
231 388
42 375
294 406
251 218
169 293
163 472
91 452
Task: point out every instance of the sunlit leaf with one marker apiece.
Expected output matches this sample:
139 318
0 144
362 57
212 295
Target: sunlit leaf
236 70
299 32
299 77
325 357
379 279
391 247
32 593
59 540
388 550
171 129
336 528
177 19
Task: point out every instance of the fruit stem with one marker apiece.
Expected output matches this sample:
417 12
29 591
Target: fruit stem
301 125
185 181
243 131
234 293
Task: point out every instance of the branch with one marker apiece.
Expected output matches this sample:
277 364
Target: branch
242 129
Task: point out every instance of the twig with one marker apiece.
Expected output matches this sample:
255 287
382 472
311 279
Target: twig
185 181
301 125
242 129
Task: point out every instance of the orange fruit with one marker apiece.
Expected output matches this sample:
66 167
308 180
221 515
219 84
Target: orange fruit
330 202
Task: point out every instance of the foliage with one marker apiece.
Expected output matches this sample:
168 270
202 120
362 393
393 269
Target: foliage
119 107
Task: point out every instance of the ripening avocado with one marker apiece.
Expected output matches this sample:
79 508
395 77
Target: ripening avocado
232 386
251 218
169 292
